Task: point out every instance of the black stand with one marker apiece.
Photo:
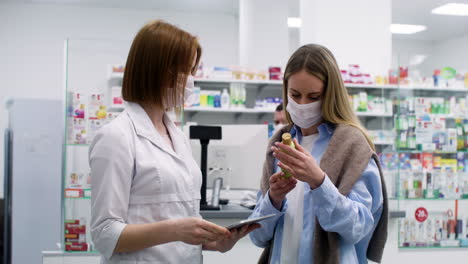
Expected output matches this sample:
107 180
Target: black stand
205 133
204 161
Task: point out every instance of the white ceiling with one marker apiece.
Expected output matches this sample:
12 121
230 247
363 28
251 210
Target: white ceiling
219 6
439 27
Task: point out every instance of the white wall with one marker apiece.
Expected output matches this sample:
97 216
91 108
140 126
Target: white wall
415 54
32 40
453 53
357 32
263 33
439 54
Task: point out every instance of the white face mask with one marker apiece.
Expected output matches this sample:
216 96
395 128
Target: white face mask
304 115
187 93
189 87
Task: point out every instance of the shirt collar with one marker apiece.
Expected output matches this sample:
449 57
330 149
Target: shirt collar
145 128
326 128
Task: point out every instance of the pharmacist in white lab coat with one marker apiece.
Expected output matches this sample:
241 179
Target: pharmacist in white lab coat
146 185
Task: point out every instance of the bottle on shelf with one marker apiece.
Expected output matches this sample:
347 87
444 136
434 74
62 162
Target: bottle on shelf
225 99
242 96
217 101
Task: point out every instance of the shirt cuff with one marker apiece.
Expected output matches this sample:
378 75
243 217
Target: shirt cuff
267 207
326 194
108 238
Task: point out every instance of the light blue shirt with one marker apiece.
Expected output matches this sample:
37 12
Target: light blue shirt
354 217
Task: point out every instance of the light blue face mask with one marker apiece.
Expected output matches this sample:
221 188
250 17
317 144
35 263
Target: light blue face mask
304 115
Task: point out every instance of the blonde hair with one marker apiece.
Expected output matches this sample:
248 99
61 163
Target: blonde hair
320 62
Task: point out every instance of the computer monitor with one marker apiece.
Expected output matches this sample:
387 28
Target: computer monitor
242 149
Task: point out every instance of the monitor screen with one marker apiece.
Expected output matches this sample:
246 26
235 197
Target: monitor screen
238 157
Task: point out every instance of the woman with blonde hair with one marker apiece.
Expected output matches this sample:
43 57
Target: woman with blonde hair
146 184
334 207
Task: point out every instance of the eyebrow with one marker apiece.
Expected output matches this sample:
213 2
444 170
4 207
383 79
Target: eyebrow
313 93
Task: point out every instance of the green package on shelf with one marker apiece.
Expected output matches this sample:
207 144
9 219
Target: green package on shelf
402 122
434 194
464 242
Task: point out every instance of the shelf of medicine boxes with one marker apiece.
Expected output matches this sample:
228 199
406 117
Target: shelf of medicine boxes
280 83
348 85
119 75
426 199
77 193
251 111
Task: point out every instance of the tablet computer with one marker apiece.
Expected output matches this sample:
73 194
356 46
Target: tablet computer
249 221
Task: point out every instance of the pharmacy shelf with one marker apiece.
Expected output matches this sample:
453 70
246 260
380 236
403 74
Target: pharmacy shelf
348 85
69 253
446 116
377 142
427 199
77 145
434 247
431 152
370 114
119 75
278 82
434 89
255 82
116 75
261 111
234 111
371 86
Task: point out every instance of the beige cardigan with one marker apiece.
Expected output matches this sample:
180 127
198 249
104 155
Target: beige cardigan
346 157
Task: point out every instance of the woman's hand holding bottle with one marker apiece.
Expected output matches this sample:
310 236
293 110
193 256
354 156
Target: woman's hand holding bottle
299 163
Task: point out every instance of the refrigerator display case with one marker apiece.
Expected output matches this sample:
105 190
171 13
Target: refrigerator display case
32 180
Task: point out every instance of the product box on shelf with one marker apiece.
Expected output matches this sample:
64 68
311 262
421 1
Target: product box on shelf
219 72
116 97
96 107
75 105
78 133
76 246
74 193
431 229
275 73
75 235
76 180
115 70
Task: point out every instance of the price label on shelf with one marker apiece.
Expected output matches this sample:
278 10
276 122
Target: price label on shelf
421 214
73 193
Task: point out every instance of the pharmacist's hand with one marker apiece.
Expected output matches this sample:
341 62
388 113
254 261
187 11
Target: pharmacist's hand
299 163
196 231
279 187
227 243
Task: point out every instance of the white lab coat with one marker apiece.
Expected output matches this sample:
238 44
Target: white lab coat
137 178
